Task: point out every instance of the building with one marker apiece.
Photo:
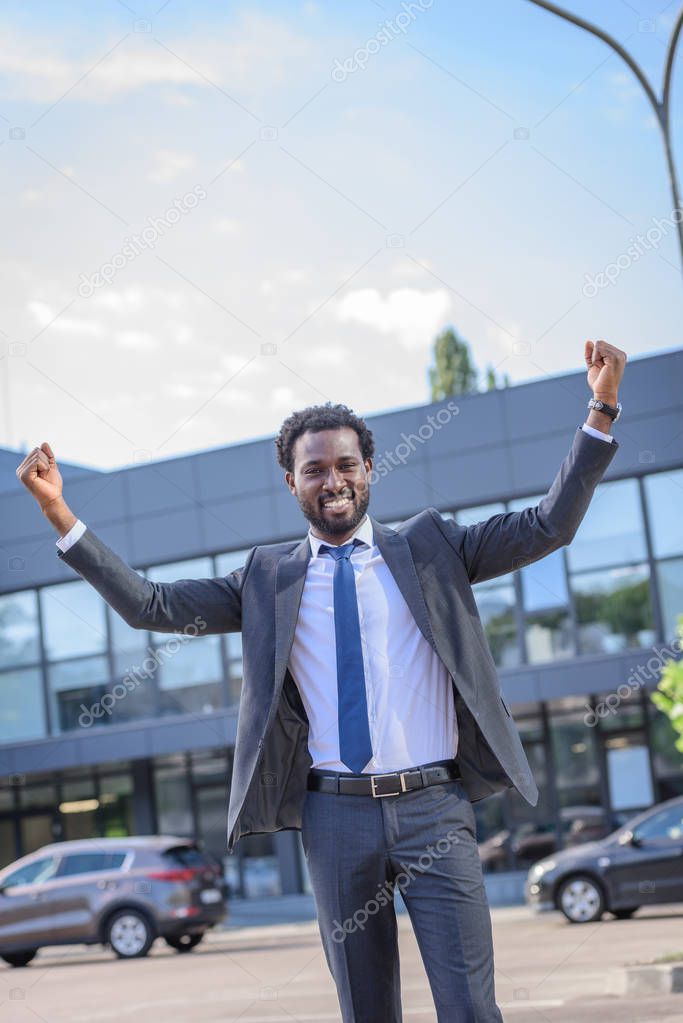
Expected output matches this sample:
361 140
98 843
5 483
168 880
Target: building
579 637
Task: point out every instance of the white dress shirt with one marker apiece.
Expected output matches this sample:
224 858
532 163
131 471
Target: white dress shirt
411 712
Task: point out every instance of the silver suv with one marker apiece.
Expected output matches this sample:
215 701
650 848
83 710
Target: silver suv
122 892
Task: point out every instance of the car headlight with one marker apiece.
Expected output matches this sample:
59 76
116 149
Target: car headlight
539 869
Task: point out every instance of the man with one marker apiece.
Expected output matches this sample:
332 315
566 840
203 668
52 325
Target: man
371 715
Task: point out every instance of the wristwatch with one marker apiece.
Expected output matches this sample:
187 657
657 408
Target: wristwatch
609 410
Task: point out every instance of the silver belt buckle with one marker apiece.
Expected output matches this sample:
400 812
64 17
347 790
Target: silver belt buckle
402 782
380 795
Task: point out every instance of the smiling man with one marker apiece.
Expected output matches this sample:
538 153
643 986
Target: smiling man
371 716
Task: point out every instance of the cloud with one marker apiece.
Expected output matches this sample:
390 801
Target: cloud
118 300
137 340
45 315
169 165
253 54
226 226
413 316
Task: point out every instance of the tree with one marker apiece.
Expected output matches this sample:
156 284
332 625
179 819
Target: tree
453 371
668 696
492 381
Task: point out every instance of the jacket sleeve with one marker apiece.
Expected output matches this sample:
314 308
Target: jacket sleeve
509 540
211 605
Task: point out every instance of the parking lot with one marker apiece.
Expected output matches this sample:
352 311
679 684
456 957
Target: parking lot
547 970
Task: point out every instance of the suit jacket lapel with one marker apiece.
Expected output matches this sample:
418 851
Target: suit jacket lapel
290 577
399 560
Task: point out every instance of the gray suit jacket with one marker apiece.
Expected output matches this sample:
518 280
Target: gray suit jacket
434 560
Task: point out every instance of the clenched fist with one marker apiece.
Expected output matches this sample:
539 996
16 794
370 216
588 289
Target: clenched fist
605 365
40 475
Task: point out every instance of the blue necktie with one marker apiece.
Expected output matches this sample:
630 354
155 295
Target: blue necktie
355 745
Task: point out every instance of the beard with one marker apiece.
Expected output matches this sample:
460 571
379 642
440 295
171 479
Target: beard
332 523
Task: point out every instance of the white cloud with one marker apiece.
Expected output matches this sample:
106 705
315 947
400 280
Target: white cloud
138 340
412 316
181 390
32 196
44 314
233 364
118 300
181 333
226 226
256 53
169 165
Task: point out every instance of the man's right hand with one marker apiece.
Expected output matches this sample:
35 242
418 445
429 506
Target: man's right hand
40 475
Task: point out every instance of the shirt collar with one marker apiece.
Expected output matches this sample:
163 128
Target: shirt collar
363 532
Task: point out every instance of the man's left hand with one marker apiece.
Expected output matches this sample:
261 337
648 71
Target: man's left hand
605 365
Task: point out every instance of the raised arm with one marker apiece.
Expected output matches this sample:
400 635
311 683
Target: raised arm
205 605
508 541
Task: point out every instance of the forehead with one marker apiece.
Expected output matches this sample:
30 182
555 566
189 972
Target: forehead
326 445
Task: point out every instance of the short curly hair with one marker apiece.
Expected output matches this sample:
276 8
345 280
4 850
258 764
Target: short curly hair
316 418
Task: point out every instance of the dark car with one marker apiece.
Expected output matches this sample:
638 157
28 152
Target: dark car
640 864
121 892
532 840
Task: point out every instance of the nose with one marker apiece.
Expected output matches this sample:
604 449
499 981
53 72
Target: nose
334 480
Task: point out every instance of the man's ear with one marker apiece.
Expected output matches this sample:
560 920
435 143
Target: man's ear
289 480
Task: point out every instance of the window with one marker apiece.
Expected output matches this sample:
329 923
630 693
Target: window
497 609
611 532
172 795
574 749
19 636
74 620
670 581
89 862
664 495
22 711
74 687
32 873
190 667
666 825
613 609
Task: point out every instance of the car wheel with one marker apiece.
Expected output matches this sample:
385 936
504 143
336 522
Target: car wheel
184 942
624 914
581 900
130 934
19 958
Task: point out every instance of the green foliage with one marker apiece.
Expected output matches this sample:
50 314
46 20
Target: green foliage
668 696
454 372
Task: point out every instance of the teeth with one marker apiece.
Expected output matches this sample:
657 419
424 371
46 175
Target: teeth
337 503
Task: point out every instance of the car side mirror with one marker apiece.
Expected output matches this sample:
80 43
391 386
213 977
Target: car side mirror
630 838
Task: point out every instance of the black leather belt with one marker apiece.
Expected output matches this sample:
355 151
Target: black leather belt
391 784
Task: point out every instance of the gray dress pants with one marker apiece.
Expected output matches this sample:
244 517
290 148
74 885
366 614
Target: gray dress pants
358 850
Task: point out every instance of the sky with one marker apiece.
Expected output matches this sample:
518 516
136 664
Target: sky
217 213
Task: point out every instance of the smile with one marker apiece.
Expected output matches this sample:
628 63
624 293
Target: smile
337 504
